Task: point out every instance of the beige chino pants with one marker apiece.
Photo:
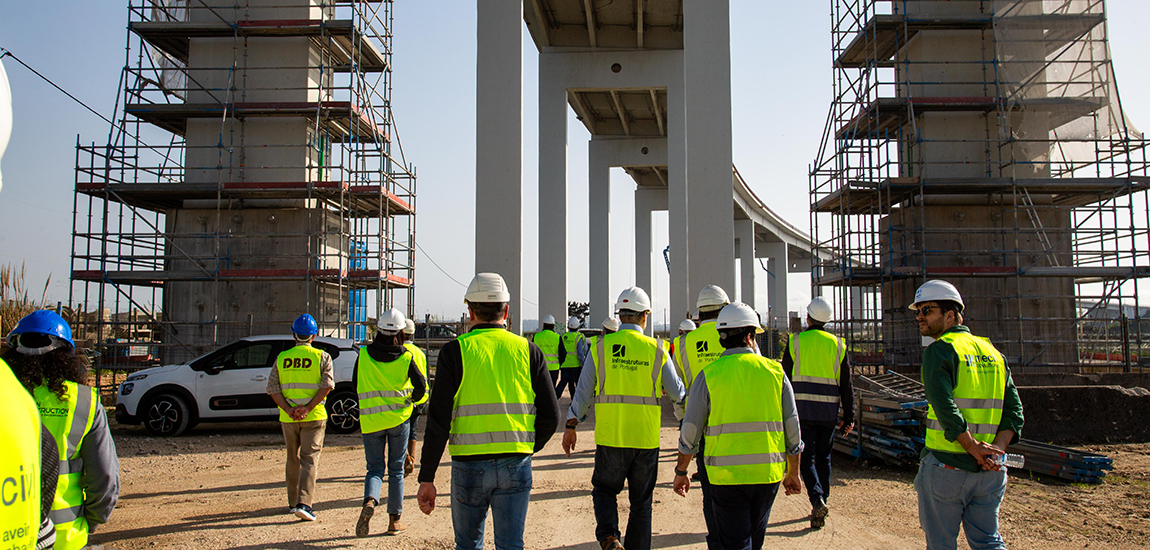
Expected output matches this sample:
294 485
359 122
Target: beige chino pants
304 442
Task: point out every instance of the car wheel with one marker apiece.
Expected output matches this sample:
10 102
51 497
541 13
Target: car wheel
167 415
342 412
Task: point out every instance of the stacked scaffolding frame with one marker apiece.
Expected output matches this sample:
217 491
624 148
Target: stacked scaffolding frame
982 142
352 202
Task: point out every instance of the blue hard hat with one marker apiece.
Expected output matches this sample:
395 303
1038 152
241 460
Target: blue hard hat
44 321
305 326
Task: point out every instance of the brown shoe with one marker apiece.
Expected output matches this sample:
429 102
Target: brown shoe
409 460
361 526
395 527
610 543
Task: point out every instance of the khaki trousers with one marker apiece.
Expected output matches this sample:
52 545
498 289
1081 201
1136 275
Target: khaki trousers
304 442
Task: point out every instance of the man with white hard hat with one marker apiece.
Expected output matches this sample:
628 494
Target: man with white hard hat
609 325
693 352
420 359
686 326
548 341
742 405
973 413
572 353
389 381
624 376
491 425
816 364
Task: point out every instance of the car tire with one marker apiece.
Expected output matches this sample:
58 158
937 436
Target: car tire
167 415
342 412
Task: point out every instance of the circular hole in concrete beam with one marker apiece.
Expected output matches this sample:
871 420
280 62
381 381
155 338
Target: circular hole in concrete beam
643 150
616 68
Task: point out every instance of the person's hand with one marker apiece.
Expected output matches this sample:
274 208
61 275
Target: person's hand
792 484
682 485
984 453
426 497
847 429
299 413
569 439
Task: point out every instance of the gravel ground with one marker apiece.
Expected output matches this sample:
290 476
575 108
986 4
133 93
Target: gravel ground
221 486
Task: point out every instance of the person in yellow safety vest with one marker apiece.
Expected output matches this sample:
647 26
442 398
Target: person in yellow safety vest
32 458
572 353
299 383
624 376
43 358
973 413
420 359
693 351
610 325
548 341
816 364
743 407
388 381
493 407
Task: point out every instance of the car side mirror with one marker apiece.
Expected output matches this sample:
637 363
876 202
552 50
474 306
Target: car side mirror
213 369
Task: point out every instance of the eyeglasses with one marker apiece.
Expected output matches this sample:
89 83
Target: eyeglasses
923 311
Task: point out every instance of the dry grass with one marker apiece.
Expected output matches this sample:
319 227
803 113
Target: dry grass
15 301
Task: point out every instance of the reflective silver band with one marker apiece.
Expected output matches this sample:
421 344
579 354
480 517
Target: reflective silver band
816 398
978 403
79 419
743 427
384 408
73 466
602 363
493 408
492 437
371 394
815 380
685 359
299 386
659 359
976 429
797 368
745 460
66 515
628 399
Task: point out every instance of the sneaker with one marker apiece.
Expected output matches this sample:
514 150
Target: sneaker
819 512
304 512
361 526
610 543
292 509
394 526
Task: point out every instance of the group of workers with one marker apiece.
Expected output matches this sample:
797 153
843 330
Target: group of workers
750 423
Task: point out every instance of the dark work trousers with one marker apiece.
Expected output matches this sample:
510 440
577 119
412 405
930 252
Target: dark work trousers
613 466
741 514
708 500
554 377
818 440
568 378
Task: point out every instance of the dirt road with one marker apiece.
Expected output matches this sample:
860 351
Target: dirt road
221 486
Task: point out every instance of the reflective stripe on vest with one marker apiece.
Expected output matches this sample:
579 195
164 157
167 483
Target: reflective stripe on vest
20 462
420 359
978 394
494 407
627 411
548 342
384 390
695 350
817 364
571 346
745 443
300 373
69 420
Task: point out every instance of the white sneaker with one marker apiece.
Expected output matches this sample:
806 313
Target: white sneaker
304 512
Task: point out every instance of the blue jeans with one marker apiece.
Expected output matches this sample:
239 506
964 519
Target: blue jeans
949 497
741 514
818 440
613 466
568 378
394 442
504 485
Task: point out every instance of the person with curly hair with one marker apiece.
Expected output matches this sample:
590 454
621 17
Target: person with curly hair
43 357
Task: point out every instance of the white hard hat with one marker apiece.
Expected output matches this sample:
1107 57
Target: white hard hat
738 315
573 323
487 287
633 299
391 322
687 325
712 297
933 291
549 320
819 310
409 327
611 324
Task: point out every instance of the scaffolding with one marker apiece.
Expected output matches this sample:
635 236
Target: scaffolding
249 178
982 142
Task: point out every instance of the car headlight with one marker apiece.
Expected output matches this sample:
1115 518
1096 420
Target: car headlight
126 388
135 377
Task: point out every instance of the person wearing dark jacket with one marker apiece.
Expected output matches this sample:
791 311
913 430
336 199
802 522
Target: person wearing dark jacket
494 406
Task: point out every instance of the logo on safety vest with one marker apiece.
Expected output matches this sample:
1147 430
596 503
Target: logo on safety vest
619 350
297 363
701 346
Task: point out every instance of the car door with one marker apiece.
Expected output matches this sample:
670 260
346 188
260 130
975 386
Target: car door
234 383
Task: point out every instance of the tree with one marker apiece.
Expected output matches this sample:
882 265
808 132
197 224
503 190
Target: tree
580 310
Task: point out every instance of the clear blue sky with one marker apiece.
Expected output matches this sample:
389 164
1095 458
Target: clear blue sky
781 91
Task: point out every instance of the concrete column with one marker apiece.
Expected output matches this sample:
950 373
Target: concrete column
745 229
499 146
552 192
677 223
777 289
599 234
647 200
707 80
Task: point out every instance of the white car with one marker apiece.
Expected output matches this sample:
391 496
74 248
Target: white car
229 385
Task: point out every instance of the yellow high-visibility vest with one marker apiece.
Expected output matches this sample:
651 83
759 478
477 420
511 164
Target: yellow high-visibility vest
299 372
979 393
548 342
745 443
384 391
420 359
69 419
571 345
19 464
817 356
695 350
629 381
494 408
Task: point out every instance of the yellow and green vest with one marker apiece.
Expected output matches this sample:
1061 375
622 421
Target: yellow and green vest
20 463
69 419
978 394
494 407
745 443
817 356
548 342
384 392
299 372
420 359
695 350
571 346
628 384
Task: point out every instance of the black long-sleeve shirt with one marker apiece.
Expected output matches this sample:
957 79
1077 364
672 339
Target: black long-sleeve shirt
386 353
846 386
448 375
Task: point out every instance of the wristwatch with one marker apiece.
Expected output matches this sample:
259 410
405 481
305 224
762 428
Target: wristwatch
679 472
572 423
